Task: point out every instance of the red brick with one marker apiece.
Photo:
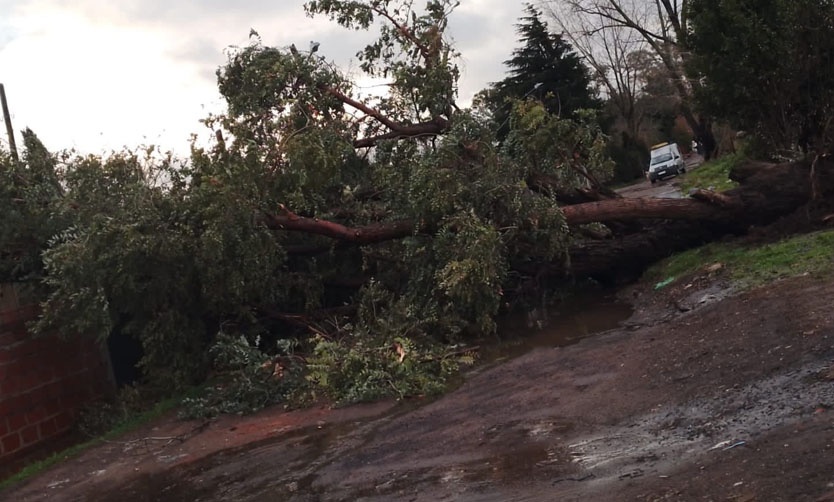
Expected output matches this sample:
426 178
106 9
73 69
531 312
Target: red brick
10 319
16 422
37 395
63 422
30 382
36 415
4 428
12 406
26 354
49 391
47 428
53 407
6 409
10 351
53 391
19 405
11 442
30 435
6 350
10 387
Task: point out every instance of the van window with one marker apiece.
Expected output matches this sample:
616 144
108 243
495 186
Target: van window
664 157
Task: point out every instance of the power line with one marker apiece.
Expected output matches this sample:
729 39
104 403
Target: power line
8 119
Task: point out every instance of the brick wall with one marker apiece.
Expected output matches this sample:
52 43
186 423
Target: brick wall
43 380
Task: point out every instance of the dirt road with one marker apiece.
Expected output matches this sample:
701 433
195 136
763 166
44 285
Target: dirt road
663 189
700 395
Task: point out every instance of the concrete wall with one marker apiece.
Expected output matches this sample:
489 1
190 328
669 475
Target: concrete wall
44 380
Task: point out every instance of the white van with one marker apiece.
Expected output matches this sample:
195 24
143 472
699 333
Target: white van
666 161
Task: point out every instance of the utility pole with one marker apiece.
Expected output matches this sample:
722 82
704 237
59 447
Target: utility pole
8 118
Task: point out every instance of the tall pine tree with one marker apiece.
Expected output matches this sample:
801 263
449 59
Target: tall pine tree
546 68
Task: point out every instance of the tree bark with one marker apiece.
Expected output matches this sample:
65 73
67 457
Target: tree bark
642 208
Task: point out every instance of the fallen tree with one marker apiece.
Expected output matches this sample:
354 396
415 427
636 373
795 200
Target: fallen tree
346 229
766 192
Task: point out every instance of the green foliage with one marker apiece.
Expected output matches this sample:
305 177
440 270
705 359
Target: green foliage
149 253
544 68
245 379
131 406
410 50
577 159
29 191
388 352
631 158
187 257
767 67
136 242
713 175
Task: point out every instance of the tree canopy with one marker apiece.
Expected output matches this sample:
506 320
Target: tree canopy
767 67
543 67
608 29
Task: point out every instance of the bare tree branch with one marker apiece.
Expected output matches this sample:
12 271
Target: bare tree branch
661 24
369 234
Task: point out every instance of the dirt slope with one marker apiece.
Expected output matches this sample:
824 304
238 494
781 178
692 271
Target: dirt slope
698 397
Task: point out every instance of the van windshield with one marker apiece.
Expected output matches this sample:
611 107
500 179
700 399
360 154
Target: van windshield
663 157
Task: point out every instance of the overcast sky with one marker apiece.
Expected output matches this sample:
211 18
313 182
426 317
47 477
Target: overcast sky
97 75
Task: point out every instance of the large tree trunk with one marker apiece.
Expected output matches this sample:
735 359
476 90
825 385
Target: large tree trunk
766 193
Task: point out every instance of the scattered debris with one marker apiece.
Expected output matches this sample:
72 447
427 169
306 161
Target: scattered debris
636 473
722 444
169 459
56 484
662 284
580 478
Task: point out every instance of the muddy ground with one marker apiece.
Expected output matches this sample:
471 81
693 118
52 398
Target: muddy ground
702 394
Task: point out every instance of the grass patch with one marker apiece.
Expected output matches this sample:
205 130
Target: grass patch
123 427
714 173
751 266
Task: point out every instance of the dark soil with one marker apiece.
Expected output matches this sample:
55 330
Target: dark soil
701 395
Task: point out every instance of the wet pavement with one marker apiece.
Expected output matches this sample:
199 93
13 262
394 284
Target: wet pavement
663 189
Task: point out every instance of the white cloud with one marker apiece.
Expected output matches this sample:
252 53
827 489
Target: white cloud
98 75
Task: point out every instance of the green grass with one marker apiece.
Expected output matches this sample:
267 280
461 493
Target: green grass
753 266
714 173
125 426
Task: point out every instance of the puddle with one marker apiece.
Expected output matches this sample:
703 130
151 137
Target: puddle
517 464
559 325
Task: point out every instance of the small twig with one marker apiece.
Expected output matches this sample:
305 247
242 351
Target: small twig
145 441
458 352
740 443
